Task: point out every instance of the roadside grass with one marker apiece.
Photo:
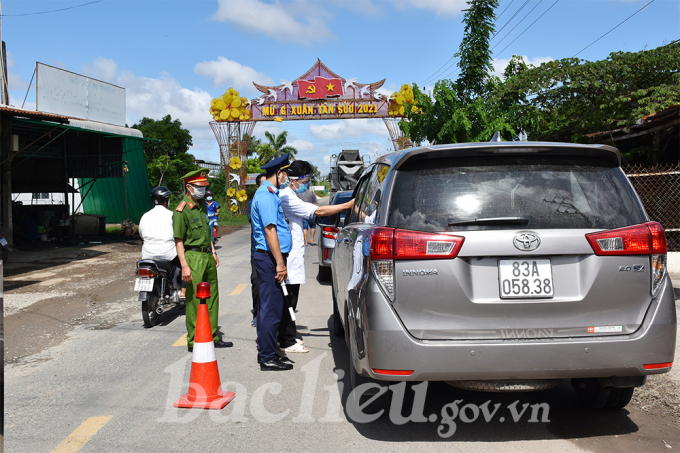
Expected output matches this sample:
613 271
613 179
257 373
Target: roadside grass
229 219
659 393
113 230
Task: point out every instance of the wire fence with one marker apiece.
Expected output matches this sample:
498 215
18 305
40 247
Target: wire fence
659 190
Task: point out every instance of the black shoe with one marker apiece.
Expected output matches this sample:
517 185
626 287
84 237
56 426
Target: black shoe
190 348
275 365
223 344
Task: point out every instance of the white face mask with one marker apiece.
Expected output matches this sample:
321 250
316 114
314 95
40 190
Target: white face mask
198 192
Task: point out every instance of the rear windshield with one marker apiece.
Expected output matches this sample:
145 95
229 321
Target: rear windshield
510 192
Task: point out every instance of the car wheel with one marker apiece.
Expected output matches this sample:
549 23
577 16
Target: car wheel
591 394
324 273
338 330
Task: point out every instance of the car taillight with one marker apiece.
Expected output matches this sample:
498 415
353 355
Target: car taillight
388 245
382 243
646 239
381 253
330 232
144 272
416 245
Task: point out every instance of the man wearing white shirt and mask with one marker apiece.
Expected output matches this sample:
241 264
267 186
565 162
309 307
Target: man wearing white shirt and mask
295 211
155 229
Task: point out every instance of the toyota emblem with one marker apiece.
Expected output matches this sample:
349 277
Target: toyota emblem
526 242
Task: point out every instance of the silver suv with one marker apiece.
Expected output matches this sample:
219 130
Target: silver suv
504 266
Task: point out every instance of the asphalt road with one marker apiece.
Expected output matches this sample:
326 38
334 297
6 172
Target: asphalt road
112 389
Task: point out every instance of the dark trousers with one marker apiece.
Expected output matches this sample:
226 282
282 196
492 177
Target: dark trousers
255 287
287 329
271 306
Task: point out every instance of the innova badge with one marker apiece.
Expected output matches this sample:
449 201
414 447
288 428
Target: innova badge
526 242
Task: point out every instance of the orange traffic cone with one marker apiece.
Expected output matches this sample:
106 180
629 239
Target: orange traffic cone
205 389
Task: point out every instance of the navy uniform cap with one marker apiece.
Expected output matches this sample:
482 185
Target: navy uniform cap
274 165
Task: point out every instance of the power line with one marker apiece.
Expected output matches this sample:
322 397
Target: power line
510 20
51 11
513 28
506 8
529 27
613 28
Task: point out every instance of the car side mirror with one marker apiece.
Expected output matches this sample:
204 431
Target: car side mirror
329 221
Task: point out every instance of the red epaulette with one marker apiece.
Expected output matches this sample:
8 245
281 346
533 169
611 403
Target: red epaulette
191 205
180 207
271 189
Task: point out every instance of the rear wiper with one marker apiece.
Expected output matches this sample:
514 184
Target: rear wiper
491 221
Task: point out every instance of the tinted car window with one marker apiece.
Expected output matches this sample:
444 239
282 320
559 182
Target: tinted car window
537 191
358 202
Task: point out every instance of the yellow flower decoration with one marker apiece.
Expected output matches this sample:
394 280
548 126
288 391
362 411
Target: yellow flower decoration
234 208
241 195
231 191
235 163
230 107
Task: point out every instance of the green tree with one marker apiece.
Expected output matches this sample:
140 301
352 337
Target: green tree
463 110
167 160
565 100
253 146
276 146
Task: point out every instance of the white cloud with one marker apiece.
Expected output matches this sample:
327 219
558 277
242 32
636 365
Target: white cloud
499 64
348 128
298 21
303 146
102 68
225 72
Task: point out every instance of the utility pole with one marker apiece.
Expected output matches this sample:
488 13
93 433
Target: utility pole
4 94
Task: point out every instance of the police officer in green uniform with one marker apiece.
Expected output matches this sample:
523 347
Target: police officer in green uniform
196 253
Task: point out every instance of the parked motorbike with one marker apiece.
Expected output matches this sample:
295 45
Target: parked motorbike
158 283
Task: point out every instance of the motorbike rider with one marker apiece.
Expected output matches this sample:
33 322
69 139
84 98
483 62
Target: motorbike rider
213 212
155 229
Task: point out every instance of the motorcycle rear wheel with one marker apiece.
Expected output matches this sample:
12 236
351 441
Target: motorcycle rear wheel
149 315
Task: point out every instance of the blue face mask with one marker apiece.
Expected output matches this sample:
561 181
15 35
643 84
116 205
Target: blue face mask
302 188
209 198
285 184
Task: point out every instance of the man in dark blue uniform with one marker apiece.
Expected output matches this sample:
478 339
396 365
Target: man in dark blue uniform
273 242
255 288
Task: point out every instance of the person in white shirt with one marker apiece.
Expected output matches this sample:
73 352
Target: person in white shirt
295 211
155 229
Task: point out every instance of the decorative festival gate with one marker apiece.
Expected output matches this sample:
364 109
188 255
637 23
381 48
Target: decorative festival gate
316 95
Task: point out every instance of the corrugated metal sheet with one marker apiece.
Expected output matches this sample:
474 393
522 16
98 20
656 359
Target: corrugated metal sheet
107 128
107 196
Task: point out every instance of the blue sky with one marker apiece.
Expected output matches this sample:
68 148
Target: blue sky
174 56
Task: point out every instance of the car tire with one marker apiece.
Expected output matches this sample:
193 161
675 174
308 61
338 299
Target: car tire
592 395
324 273
338 330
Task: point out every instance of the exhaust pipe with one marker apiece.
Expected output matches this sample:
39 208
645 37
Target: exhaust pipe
163 308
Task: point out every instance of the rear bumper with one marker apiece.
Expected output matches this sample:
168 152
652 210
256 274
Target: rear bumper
390 347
